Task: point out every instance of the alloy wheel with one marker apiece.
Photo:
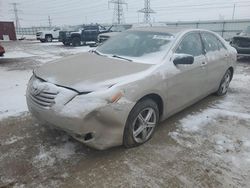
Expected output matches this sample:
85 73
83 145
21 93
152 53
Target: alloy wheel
144 124
225 84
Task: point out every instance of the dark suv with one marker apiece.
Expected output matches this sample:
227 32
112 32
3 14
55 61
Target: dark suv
65 34
241 42
86 34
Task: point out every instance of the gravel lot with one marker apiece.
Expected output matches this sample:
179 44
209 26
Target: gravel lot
206 145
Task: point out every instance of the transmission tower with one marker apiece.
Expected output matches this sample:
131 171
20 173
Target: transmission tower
118 17
16 11
50 21
147 11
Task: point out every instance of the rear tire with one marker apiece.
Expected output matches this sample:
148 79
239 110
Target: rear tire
141 123
224 84
76 41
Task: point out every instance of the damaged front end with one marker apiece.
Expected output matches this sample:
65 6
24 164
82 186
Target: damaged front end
95 118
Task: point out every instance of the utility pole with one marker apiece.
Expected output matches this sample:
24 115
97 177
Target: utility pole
118 17
16 11
233 12
147 11
50 21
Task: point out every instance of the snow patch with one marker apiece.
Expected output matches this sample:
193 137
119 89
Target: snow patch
16 54
193 123
48 157
12 92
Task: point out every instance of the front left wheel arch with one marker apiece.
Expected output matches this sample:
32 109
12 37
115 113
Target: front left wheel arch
157 99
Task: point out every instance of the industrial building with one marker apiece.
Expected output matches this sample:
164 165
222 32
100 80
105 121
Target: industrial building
7 30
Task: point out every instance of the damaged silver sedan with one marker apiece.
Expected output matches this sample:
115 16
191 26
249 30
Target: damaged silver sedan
118 93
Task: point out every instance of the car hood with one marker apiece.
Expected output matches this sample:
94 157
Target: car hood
89 72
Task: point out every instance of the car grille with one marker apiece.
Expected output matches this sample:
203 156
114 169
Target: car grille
41 95
44 99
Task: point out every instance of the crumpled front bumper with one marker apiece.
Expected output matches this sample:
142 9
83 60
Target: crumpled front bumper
95 122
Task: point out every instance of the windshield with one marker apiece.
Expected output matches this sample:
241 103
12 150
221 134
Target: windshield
139 46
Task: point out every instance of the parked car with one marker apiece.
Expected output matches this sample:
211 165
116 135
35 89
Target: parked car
2 50
115 29
241 42
48 35
118 93
86 34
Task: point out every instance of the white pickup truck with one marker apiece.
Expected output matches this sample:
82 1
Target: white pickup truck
49 35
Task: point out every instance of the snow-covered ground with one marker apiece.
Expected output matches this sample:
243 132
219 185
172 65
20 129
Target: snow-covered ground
220 132
12 92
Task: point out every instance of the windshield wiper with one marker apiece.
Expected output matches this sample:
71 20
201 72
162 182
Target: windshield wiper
117 56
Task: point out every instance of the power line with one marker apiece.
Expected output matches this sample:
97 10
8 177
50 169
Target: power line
118 17
147 11
16 11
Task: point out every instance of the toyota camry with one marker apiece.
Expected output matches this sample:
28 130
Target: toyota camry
118 93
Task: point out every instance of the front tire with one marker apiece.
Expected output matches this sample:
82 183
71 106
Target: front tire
224 84
141 123
48 38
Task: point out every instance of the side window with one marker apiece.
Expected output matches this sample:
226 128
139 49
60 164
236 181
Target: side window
211 42
191 44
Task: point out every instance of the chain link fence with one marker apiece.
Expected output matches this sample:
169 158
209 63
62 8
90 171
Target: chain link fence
30 30
226 28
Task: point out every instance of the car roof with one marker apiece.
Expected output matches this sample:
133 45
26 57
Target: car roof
163 29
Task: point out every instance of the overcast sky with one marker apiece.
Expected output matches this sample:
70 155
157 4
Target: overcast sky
71 12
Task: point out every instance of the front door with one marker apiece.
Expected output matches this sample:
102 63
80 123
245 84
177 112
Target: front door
190 82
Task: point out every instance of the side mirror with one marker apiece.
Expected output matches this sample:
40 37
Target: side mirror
183 59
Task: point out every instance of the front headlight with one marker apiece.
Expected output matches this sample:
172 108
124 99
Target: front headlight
115 97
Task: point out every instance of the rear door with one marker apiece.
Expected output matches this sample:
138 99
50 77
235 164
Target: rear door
190 83
217 59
